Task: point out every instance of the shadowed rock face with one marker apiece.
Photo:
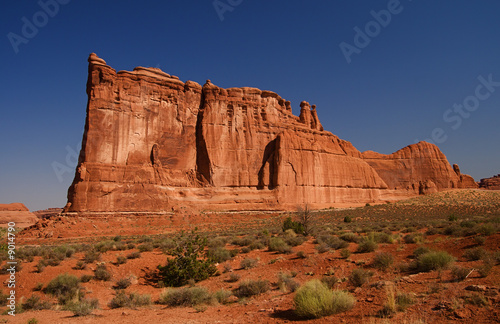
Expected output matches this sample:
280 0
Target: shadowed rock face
153 143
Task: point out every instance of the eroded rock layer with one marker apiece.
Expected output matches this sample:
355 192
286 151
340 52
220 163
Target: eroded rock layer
492 183
153 143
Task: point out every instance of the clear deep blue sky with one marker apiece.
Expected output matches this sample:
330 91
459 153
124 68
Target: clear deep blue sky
393 93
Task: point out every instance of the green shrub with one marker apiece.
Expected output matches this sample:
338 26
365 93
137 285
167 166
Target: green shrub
191 296
487 229
91 256
477 300
279 245
134 255
146 247
315 300
420 250
65 287
347 219
295 241
434 260
233 277
345 253
329 281
383 261
35 303
295 226
120 260
459 273
222 296
31 320
83 307
101 273
366 246
123 283
286 283
187 262
359 277
80 265
350 237
250 288
219 254
485 269
132 300
332 241
86 278
248 263
475 254
413 238
322 248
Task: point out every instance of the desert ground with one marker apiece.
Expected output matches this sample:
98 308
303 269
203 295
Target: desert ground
378 257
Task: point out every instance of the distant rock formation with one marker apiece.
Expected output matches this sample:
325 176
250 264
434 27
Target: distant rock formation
153 143
492 183
47 213
17 213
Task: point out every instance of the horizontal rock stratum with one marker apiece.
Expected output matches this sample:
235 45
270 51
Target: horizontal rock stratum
153 143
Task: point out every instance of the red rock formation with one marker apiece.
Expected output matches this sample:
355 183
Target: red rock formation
153 143
17 213
492 183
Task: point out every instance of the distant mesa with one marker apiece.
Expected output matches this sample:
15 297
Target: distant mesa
153 144
492 183
17 213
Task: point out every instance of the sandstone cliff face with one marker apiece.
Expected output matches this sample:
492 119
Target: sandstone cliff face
492 183
420 167
153 143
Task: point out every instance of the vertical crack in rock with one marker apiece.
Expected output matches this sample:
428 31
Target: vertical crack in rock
203 171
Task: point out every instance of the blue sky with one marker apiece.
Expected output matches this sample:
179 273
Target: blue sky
400 86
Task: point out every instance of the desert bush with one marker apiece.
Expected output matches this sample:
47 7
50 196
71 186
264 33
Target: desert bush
134 255
83 307
350 237
459 273
243 241
257 245
7 267
315 300
487 229
36 303
477 300
219 254
420 250
86 278
395 303
248 263
332 241
40 266
295 241
222 296
65 287
297 227
191 296
120 260
329 281
434 260
216 242
322 248
233 277
413 238
366 246
101 273
132 300
286 283
485 269
80 265
345 253
123 283
383 261
359 277
475 254
277 244
187 262
38 287
479 240
347 219
146 247
91 256
250 288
